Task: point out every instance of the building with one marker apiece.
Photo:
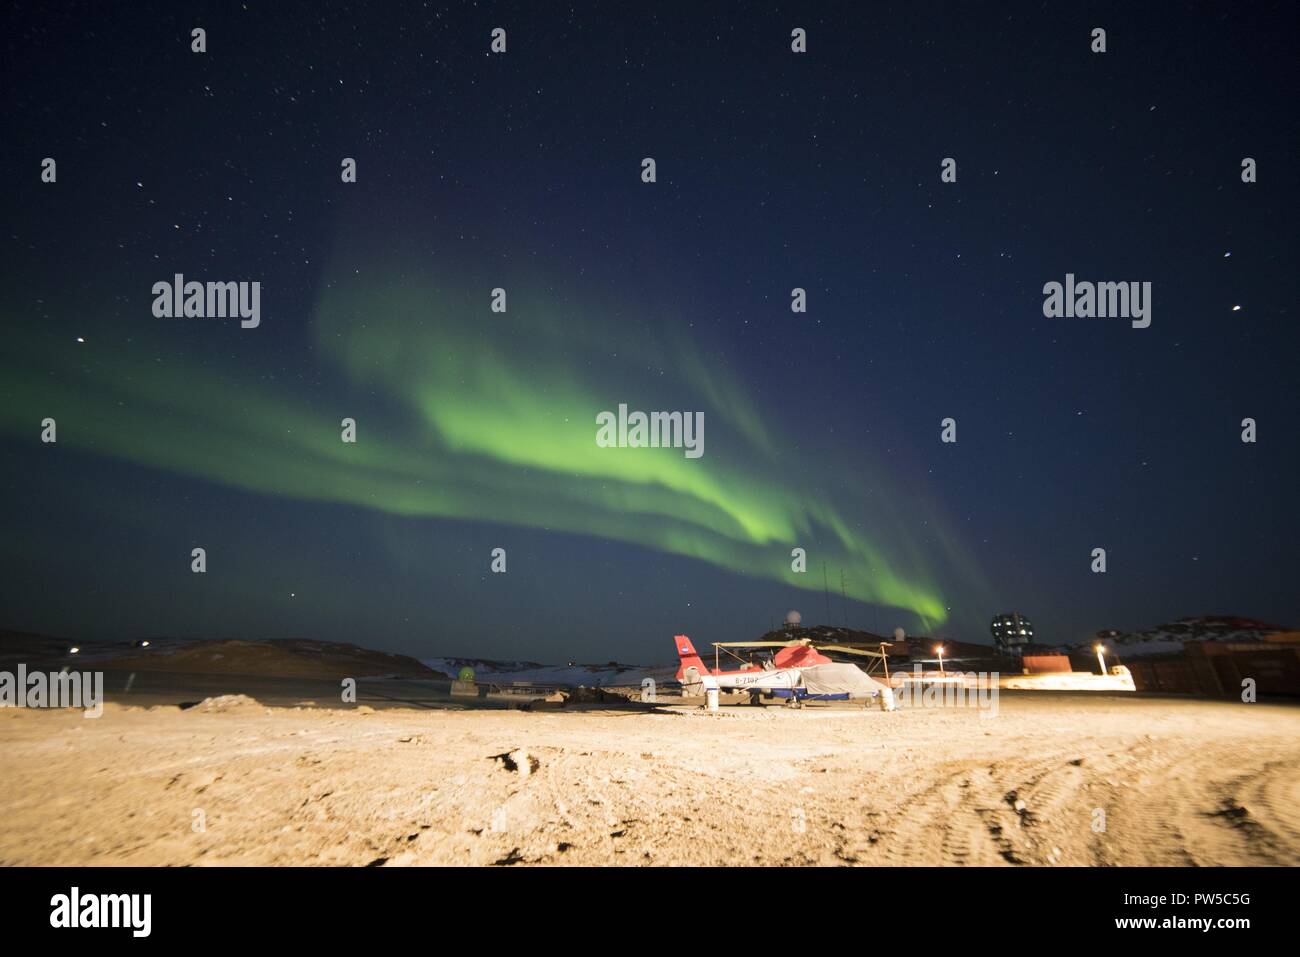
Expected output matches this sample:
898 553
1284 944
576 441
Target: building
1011 632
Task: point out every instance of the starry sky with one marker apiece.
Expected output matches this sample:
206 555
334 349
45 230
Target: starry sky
523 171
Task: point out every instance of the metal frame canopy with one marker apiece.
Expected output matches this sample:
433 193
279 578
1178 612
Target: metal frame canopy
719 646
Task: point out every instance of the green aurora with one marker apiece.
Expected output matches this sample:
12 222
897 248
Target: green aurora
466 414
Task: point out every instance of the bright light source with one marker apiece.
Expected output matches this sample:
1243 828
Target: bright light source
73 650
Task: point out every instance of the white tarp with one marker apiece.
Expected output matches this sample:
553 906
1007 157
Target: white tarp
837 678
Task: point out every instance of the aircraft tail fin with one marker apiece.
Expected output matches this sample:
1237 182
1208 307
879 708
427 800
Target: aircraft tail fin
692 668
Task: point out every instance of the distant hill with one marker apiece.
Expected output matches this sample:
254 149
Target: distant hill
613 673
1170 637
23 646
282 658
1162 639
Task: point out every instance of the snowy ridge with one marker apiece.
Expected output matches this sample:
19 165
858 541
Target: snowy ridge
568 676
1169 638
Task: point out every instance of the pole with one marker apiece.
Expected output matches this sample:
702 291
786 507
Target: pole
826 590
844 600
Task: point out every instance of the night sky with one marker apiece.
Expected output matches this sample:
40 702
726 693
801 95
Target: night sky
775 170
